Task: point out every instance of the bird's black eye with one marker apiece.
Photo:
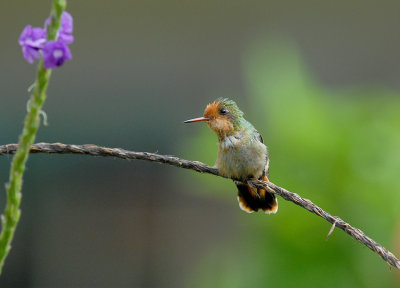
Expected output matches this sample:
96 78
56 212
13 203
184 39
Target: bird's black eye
222 111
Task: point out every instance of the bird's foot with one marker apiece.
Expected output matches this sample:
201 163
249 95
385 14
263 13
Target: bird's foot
253 188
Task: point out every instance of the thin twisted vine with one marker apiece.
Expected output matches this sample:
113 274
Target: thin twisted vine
94 150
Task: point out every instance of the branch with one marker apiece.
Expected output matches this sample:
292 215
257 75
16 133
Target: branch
94 150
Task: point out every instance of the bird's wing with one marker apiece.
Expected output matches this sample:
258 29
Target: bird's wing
266 169
260 137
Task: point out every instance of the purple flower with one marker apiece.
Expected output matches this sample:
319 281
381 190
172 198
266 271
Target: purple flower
55 53
31 40
66 28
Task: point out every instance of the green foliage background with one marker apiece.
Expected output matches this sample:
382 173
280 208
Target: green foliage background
318 79
341 149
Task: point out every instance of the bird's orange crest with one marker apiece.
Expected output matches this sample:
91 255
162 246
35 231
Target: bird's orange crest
218 122
212 109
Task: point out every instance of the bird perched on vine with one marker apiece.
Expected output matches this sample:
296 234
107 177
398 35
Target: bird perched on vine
242 154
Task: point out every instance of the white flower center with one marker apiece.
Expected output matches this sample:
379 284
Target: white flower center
58 53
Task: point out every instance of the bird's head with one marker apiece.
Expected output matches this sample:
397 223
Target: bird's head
222 116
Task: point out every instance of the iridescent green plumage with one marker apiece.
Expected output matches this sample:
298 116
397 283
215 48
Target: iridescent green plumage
234 114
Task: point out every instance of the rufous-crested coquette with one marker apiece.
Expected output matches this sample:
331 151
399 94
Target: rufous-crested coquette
242 154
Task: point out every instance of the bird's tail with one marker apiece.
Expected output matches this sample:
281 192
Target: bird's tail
251 198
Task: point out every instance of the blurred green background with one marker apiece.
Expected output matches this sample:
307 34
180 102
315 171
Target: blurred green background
318 79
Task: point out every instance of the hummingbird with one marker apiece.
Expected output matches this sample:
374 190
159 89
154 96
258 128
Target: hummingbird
242 154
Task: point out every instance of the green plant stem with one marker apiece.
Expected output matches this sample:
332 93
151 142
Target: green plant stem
32 122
